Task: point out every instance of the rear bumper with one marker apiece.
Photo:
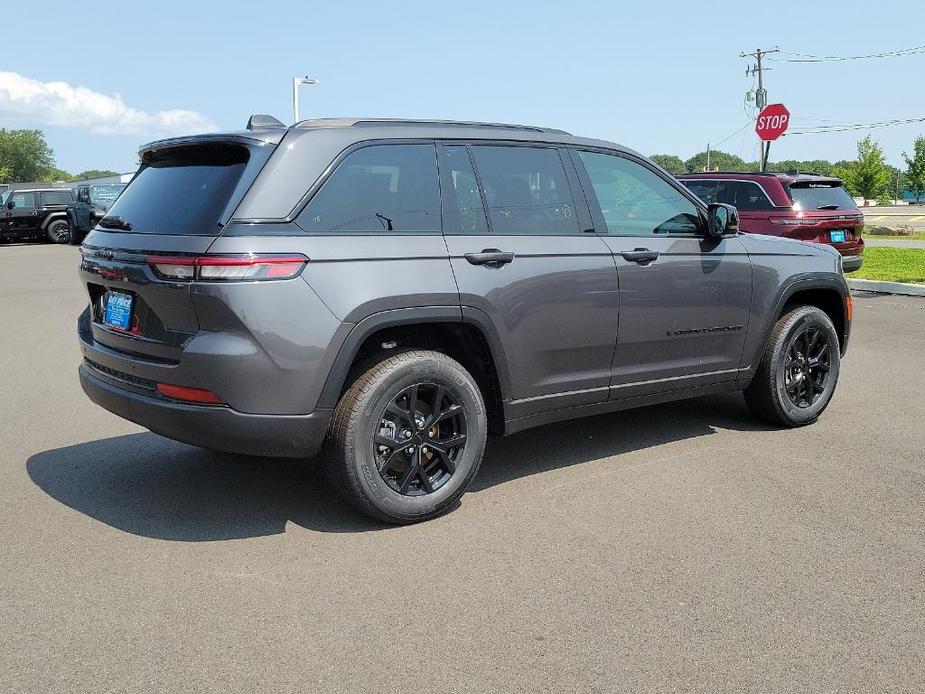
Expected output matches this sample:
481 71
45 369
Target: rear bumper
850 263
217 428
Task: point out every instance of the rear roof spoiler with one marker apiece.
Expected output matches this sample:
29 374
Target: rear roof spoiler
260 121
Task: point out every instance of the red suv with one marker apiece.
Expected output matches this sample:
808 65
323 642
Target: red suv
799 206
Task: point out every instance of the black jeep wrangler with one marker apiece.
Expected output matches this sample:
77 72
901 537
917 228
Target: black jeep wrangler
36 212
93 201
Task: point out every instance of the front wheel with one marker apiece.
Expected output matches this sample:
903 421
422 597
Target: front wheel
407 437
59 231
798 372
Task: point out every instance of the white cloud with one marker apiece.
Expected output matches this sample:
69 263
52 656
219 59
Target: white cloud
40 104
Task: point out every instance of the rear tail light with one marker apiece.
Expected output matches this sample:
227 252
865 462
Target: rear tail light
195 395
227 268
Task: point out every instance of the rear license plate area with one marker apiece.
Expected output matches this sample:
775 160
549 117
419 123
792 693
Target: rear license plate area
117 310
838 236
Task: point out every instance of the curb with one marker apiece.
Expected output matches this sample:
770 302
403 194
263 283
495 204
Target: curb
887 287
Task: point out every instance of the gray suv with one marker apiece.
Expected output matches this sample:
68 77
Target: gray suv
394 291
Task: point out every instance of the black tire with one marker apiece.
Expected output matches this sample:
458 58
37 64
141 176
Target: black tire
791 388
59 231
356 461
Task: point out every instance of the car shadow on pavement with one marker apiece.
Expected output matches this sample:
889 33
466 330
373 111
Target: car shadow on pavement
150 486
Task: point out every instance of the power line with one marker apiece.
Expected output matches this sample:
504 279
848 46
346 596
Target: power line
729 137
821 129
809 58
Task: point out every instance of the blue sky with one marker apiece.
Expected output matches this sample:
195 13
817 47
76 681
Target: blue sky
661 77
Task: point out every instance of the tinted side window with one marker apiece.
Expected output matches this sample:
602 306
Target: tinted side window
55 197
749 196
526 190
635 201
705 190
463 212
22 199
381 188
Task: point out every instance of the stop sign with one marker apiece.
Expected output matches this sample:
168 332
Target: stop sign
772 122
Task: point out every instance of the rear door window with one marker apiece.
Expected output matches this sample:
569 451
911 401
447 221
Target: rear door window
463 211
821 196
182 190
746 196
526 189
379 189
57 197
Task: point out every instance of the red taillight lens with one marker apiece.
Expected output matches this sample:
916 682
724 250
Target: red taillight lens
196 395
228 268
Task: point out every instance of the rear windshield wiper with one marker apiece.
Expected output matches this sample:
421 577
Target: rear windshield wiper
827 207
115 223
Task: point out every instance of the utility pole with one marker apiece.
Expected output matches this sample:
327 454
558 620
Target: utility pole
761 96
708 157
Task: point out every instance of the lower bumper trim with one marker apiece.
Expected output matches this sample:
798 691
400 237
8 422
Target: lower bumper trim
217 428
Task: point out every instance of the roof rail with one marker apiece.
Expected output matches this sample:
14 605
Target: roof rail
385 122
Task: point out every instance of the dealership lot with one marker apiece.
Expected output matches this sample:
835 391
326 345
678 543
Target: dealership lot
679 547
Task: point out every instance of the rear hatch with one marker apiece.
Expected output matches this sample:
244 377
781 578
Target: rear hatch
823 212
176 205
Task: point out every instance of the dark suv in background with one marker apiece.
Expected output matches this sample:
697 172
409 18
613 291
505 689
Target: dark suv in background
395 291
93 201
799 206
36 213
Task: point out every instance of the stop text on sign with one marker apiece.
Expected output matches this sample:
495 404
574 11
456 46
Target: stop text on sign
772 122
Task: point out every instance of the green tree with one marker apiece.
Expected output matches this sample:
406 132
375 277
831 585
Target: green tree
25 154
671 163
871 175
719 161
94 173
54 174
915 168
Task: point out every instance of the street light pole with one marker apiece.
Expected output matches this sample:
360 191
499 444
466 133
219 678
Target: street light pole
296 82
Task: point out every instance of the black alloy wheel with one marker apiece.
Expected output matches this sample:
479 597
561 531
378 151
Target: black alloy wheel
807 366
420 437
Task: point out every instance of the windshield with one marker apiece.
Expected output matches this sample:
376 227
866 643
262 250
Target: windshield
821 196
104 194
182 190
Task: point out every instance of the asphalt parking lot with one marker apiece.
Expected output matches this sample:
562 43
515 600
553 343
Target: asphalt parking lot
676 548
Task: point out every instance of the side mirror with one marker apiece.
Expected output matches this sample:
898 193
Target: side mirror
721 219
10 205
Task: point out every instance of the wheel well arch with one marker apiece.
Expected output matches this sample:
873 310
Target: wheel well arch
447 332
53 216
827 299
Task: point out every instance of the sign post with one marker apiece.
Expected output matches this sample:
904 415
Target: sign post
771 123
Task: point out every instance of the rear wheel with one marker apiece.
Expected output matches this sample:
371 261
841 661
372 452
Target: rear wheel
798 372
59 231
407 437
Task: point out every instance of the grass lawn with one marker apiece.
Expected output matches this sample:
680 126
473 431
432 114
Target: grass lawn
892 265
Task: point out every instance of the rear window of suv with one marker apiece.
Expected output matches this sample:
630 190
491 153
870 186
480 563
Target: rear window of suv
821 196
182 190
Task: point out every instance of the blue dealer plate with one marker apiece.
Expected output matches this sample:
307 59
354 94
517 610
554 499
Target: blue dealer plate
837 236
118 310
